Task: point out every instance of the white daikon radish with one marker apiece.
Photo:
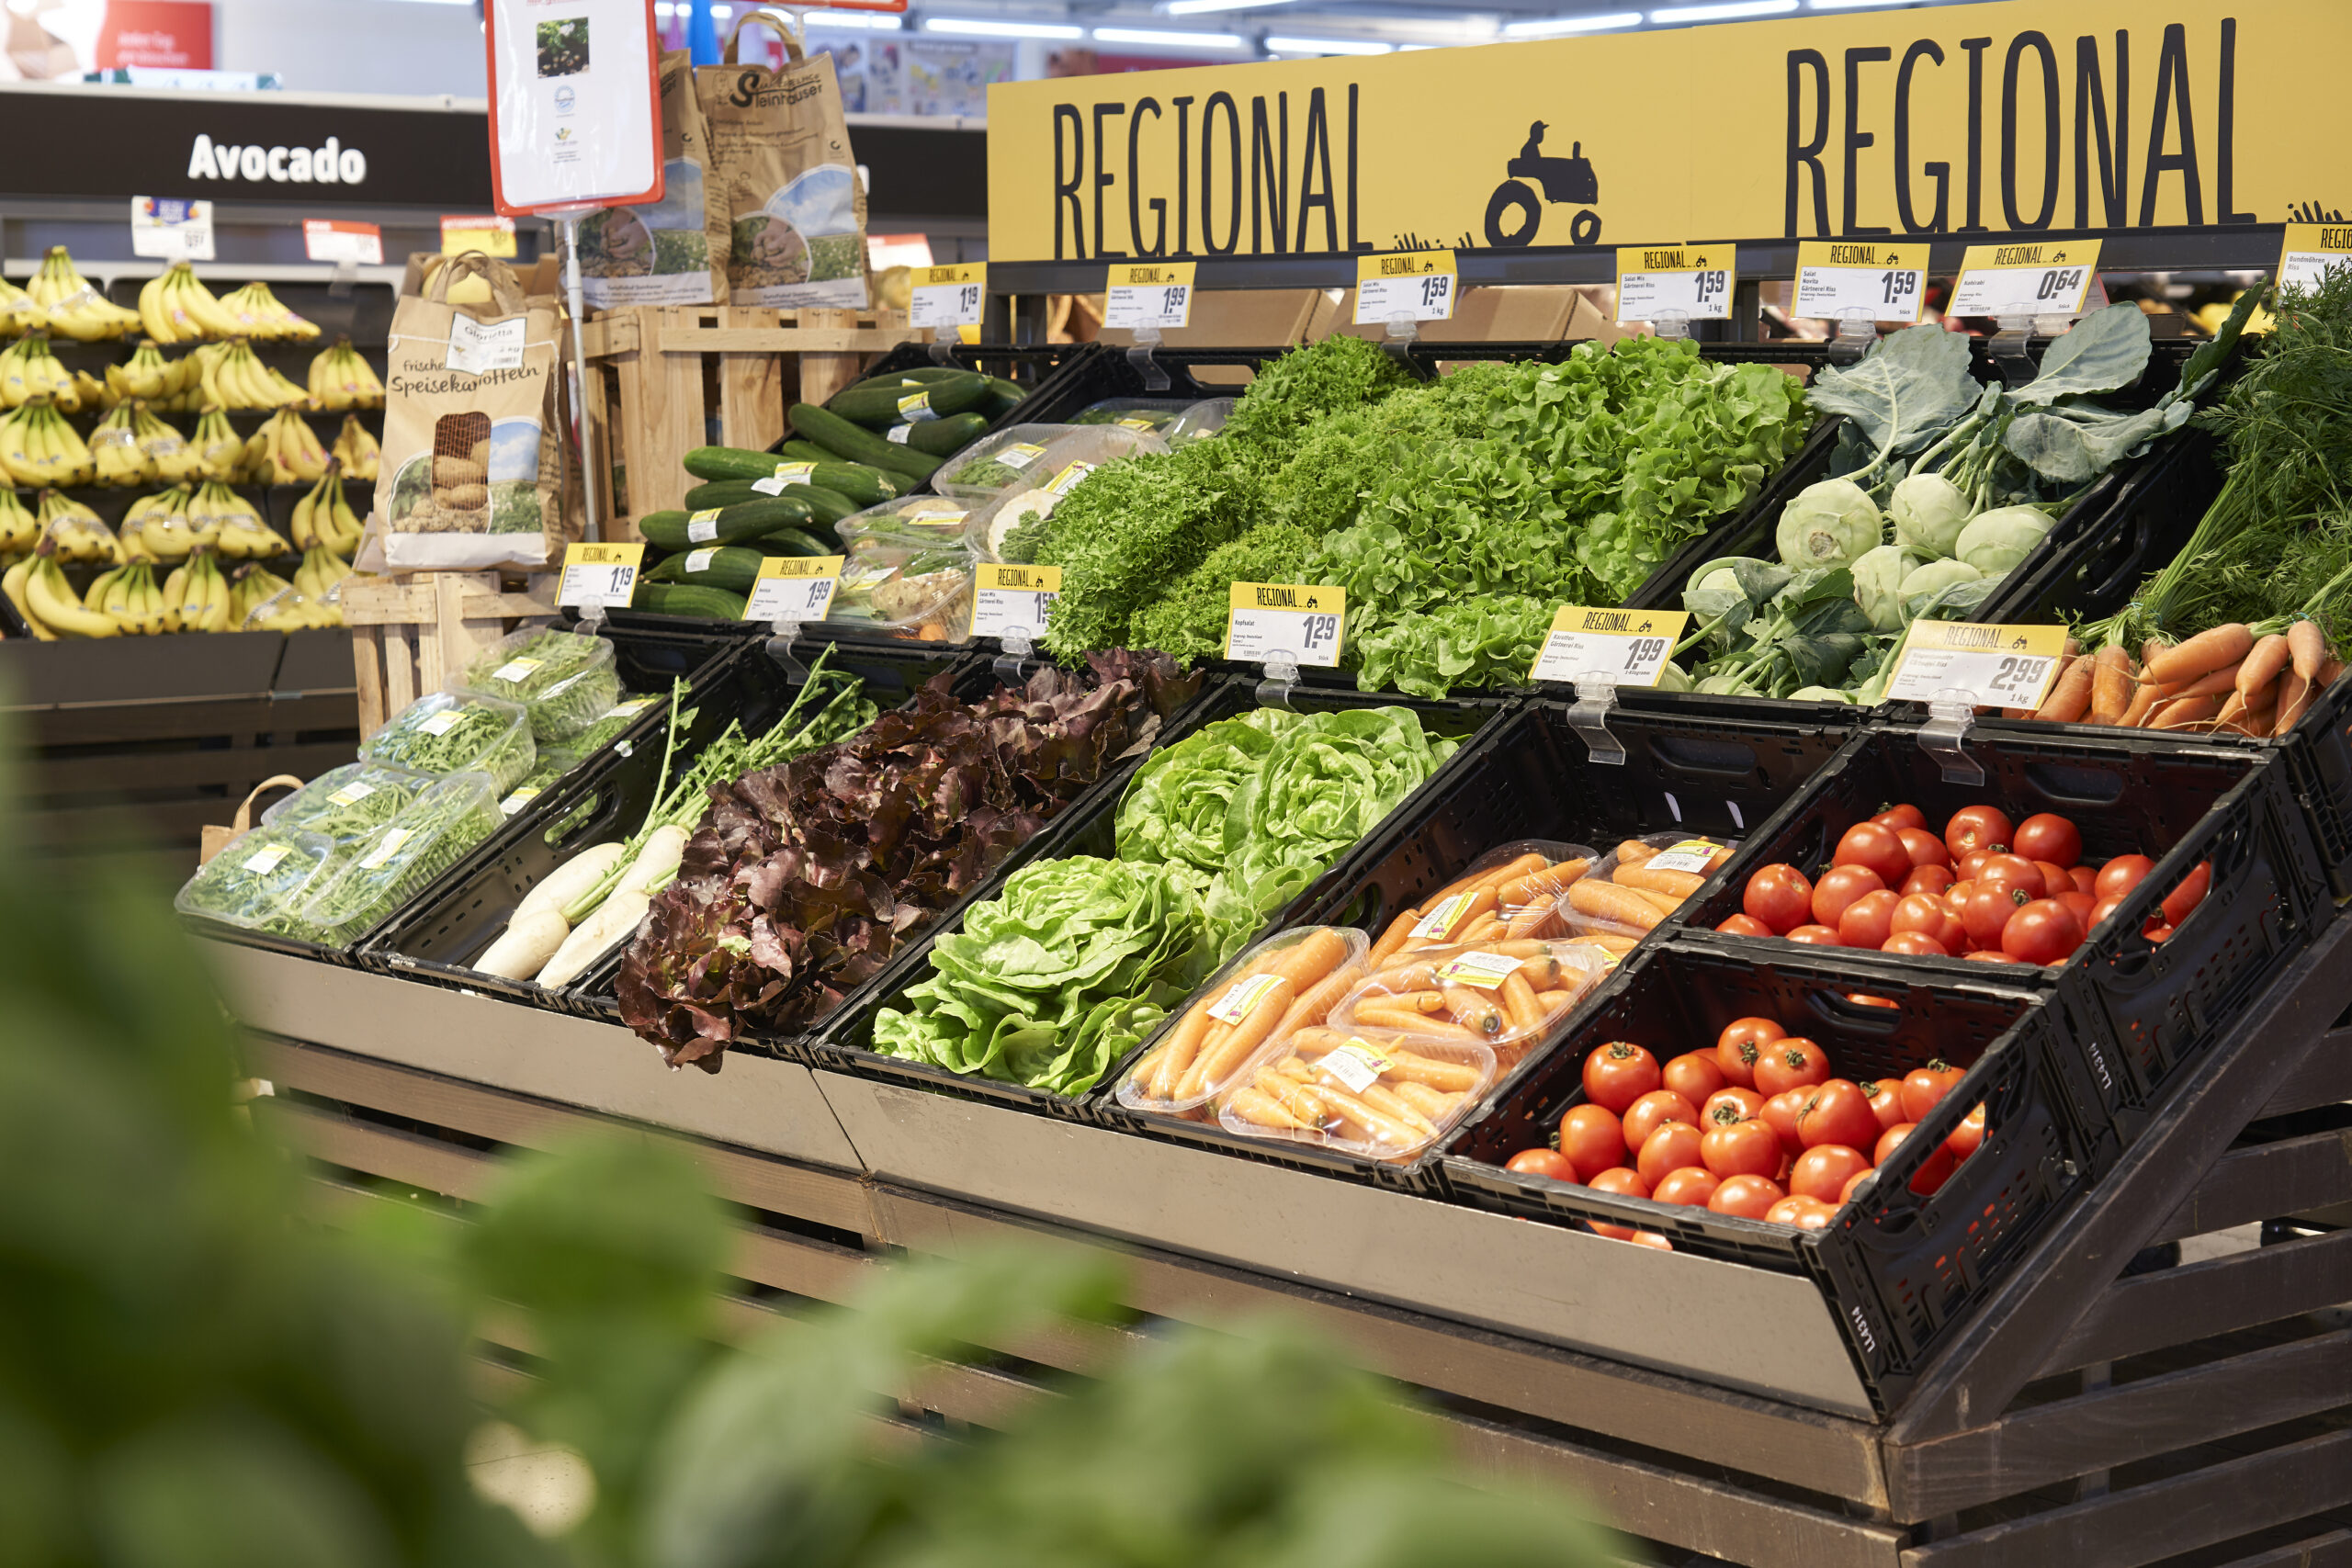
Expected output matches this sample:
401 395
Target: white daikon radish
613 922
657 862
573 878
530 940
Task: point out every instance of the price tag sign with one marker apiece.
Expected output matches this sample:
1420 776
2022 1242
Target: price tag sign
1653 280
2310 249
1628 647
948 297
1420 284
332 240
2008 667
604 576
170 229
794 588
486 232
2049 280
1013 601
1837 276
1285 620
1149 294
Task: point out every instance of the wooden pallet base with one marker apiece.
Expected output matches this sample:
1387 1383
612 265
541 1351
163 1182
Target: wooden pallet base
411 636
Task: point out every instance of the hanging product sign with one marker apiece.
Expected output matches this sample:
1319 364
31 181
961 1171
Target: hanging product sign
601 575
1417 285
1692 282
789 587
333 240
1158 296
1629 648
1843 280
946 298
575 105
171 231
2026 280
2010 667
2311 249
1285 620
1013 601
1996 123
486 232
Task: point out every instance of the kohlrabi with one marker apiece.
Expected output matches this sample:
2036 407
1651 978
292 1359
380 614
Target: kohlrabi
1831 524
1997 540
1928 510
1878 585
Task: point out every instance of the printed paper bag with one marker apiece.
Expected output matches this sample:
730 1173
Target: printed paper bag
472 472
660 255
789 223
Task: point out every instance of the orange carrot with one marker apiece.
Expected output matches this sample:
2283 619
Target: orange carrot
2110 685
1633 852
2295 696
2143 703
1393 937
2206 651
1519 999
1663 903
1310 958
1682 883
2071 697
2183 712
2310 648
1224 1057
2258 668
1607 901
1176 1056
1316 1004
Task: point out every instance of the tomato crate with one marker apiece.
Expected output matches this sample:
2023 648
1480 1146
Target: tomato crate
2146 1011
1092 829
1710 767
1900 1267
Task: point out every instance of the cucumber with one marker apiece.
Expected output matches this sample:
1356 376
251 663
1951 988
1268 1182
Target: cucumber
916 376
835 433
877 407
678 599
946 437
1003 398
722 492
741 520
809 452
731 567
825 505
794 542
860 482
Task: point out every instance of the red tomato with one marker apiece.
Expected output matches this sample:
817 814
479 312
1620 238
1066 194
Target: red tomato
1615 1233
1975 828
1924 848
1749 1197
1867 921
1618 1074
1862 1000
1929 916
2081 903
1624 1182
1919 944
1738 1045
2181 900
2056 880
1694 1075
1741 1148
1591 1140
1969 1136
2013 871
1968 865
2100 910
2156 930
1957 895
1780 896
1929 879
1824 1171
1654 1110
1542 1162
1885 1097
1988 910
1745 1102
1652 1240
1671 1147
2046 836
1889 1140
2121 874
1691 1185
1804 1213
1779 1113
1934 1172
1989 955
1816 936
1846 1193
1840 886
1876 846
2084 879
1744 925
1837 1112
1922 1087
2043 931
1792 1063
1901 816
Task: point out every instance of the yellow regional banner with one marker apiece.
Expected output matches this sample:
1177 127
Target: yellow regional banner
1994 119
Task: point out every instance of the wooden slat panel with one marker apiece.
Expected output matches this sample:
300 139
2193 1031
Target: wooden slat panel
784 340
102 724
2264 1182
2147 1524
367 678
2323 1077
2332 1550
2200 1299
393 601
2031 1447
238 767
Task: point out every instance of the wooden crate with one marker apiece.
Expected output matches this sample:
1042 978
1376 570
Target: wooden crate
410 635
666 380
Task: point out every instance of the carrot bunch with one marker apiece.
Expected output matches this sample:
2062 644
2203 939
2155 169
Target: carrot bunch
1288 982
1630 893
1382 1095
1498 993
2227 678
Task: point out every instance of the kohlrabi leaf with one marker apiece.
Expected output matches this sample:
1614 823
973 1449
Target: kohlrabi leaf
2103 352
1906 391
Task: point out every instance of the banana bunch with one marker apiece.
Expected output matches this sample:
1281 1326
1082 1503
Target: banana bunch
356 450
157 528
130 597
17 311
322 519
220 450
258 314
38 447
318 577
234 378
95 396
115 446
77 534
38 588
70 306
291 453
20 529
342 378
174 306
196 597
149 375
28 369
168 452
228 523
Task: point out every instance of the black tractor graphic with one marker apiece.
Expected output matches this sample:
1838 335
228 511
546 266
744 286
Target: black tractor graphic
1569 181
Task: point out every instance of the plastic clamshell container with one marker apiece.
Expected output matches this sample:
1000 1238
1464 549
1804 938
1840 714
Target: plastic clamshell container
1204 418
1688 853
1375 1093
1227 1004
1529 899
1000 461
380 873
1058 463
354 799
940 519
497 736
565 681
1152 415
1470 993
992 520
257 882
933 604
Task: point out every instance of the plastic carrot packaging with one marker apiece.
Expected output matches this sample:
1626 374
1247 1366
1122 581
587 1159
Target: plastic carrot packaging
1513 890
1501 994
1287 982
1638 884
1372 1092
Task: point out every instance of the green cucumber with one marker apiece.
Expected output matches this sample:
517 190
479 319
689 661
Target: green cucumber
860 482
916 376
827 506
809 452
741 520
794 542
878 408
731 567
722 492
678 599
946 437
835 433
1003 398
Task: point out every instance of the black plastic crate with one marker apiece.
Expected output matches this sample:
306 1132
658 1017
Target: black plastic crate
606 798
2319 761
1716 771
1091 829
1901 1269
2146 1011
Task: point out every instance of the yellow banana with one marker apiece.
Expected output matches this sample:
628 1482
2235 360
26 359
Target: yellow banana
13 583
52 598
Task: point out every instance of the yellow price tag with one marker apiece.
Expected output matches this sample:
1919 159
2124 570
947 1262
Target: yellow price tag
2008 667
2048 278
1626 647
1148 294
1655 282
601 575
794 588
486 232
1422 284
2310 249
1302 622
